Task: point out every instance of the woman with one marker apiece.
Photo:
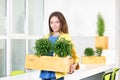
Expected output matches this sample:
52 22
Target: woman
58 28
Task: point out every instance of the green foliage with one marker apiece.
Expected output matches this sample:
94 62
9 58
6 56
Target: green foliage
100 25
43 46
62 47
99 51
89 51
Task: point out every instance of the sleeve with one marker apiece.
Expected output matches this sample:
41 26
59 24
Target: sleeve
75 56
74 53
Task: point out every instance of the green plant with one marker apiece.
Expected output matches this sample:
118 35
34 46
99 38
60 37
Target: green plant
89 51
62 47
43 46
99 51
100 25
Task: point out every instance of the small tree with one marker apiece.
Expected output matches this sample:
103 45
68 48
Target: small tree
100 25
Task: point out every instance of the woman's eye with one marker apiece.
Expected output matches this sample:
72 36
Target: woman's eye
51 22
57 21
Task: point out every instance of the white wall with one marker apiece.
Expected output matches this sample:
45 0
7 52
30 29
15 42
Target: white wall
117 36
81 16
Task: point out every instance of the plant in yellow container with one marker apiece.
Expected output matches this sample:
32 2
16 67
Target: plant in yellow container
42 59
90 57
101 41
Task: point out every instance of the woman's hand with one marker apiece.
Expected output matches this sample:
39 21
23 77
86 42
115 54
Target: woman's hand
73 67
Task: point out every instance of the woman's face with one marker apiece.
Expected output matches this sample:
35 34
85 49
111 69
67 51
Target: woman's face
55 24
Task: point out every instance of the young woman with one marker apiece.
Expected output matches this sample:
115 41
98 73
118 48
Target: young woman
58 28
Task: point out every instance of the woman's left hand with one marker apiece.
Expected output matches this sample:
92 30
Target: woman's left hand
73 67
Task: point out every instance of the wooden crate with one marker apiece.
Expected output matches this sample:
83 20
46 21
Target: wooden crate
49 63
93 60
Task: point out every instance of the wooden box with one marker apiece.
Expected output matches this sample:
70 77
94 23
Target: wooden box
93 60
49 63
101 42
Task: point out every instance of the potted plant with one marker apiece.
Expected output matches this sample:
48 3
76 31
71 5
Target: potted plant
99 51
100 25
43 47
90 57
89 51
63 47
41 57
101 41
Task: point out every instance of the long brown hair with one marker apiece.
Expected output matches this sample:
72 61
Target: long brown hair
63 23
